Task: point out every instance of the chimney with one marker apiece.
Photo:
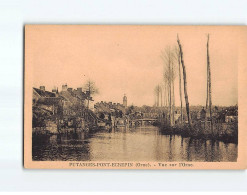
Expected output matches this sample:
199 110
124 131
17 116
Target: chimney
64 87
42 88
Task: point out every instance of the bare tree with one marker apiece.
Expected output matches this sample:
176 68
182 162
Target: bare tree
207 84
169 76
91 90
178 57
209 92
167 82
161 102
157 92
165 94
185 82
173 95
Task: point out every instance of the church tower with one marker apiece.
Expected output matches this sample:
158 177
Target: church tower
125 101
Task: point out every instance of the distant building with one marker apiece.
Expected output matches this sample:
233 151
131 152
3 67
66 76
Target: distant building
109 108
125 101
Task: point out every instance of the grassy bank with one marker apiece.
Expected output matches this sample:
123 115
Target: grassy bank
221 132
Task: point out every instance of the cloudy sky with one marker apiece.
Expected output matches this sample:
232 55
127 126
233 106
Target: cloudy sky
126 60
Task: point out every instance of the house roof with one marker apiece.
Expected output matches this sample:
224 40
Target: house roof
102 108
49 100
108 107
42 93
70 96
81 95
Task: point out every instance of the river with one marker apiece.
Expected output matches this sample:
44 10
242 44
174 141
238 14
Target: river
136 144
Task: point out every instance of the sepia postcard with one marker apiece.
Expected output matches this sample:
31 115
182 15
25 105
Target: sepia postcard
135 97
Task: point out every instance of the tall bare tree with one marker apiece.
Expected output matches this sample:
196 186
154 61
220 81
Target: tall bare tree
178 57
165 94
157 92
173 94
185 82
209 90
169 76
91 90
207 83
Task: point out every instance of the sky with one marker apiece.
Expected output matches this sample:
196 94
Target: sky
127 60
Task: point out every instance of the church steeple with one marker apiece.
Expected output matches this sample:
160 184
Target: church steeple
125 101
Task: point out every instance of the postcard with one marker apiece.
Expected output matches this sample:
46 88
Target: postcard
135 97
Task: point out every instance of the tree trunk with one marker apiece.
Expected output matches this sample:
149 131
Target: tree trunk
164 95
170 102
180 89
209 85
158 99
185 83
161 102
173 101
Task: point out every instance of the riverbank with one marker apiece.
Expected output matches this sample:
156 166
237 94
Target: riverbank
227 133
44 131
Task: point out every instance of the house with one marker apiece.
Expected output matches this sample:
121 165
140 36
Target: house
41 93
103 110
81 96
73 101
46 100
46 108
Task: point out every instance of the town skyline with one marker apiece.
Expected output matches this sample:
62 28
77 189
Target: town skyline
97 100
119 66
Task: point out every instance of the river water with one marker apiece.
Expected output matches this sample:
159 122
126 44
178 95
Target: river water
136 144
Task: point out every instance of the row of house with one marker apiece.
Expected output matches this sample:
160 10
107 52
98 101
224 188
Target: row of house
107 109
59 105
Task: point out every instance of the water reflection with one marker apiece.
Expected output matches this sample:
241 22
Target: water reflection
61 148
131 144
